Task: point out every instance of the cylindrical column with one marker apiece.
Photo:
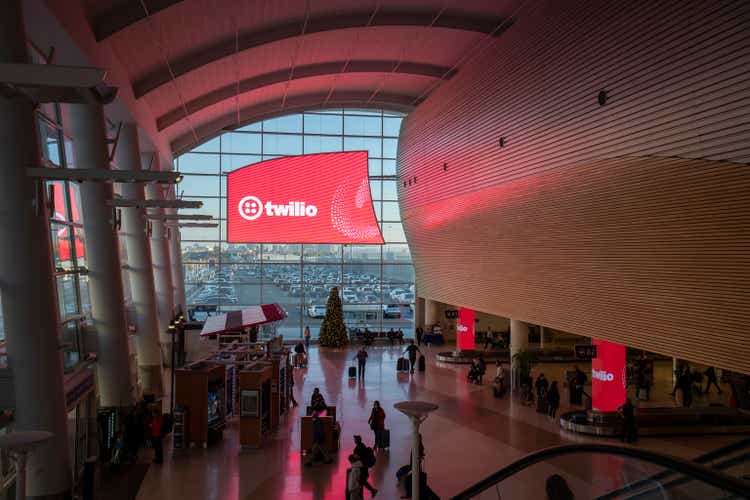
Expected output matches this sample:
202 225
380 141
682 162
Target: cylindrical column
430 313
519 340
162 269
545 336
416 466
140 268
419 313
103 258
29 304
178 277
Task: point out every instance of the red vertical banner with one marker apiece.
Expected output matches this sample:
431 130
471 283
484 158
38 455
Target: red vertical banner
465 329
608 376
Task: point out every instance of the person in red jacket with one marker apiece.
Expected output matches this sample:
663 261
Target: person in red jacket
156 428
377 424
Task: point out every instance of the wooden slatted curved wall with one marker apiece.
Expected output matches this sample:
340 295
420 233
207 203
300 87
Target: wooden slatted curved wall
628 221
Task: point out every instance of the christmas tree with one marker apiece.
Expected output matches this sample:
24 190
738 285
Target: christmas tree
332 330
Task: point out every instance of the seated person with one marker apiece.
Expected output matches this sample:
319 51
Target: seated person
473 375
368 337
318 403
400 336
299 348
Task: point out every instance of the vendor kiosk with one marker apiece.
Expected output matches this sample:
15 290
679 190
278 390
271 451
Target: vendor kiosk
201 389
255 403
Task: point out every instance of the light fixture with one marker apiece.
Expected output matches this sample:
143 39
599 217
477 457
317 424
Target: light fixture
602 97
119 202
102 175
179 178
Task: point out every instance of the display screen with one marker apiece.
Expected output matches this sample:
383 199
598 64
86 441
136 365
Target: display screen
465 329
318 198
608 376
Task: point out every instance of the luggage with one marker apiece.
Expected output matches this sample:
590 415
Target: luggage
368 457
385 440
352 372
402 472
421 363
402 365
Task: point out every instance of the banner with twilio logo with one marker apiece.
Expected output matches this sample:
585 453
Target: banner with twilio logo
608 377
465 329
317 198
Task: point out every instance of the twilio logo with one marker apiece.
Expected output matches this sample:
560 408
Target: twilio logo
250 208
602 375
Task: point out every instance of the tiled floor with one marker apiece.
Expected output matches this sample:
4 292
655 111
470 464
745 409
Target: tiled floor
471 435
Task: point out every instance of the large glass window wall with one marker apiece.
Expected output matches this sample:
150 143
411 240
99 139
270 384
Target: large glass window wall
376 282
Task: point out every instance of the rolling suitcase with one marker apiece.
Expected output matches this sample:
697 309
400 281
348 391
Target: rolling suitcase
386 438
352 372
421 363
402 365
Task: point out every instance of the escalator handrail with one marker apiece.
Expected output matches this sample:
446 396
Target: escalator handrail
702 459
686 467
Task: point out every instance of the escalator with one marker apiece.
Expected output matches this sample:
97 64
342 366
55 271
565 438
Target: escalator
609 472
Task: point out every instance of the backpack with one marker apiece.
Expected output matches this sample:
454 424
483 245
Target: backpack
368 457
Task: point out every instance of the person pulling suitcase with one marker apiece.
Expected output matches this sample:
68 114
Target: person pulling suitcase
361 358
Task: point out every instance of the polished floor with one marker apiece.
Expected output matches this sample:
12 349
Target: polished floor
471 435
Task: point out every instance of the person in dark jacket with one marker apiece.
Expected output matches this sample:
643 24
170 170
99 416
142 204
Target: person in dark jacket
541 385
155 426
711 379
419 332
366 457
361 358
553 398
412 350
685 384
377 424
629 430
317 402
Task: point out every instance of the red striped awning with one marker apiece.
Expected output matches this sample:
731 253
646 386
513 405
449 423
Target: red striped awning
237 320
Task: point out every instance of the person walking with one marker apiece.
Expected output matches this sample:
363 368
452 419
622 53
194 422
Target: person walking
419 332
353 483
711 379
291 390
307 338
629 430
361 358
412 350
366 459
685 383
377 424
155 426
541 385
553 399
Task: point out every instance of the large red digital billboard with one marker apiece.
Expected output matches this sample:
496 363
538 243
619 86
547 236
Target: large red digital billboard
318 198
465 329
608 376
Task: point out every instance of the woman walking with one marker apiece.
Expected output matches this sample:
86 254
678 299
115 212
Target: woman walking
377 424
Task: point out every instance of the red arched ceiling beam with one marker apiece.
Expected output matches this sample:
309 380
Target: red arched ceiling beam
229 91
121 16
202 56
294 104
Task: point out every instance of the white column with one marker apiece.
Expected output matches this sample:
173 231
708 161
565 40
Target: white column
140 267
545 336
102 251
178 277
419 313
519 340
416 466
162 269
29 304
430 313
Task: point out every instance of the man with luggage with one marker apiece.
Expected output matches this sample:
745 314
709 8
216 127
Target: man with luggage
412 350
361 358
367 458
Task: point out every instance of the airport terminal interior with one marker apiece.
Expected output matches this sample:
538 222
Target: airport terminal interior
339 249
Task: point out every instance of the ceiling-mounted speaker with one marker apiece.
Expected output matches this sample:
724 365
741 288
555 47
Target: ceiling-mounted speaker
445 167
602 97
501 142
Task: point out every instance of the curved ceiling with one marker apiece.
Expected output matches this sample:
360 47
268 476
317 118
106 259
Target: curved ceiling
202 66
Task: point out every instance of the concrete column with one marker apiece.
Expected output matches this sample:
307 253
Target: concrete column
519 340
162 269
28 286
545 336
419 313
140 267
178 277
430 313
103 257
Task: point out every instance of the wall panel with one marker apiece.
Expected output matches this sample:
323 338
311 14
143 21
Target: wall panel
628 221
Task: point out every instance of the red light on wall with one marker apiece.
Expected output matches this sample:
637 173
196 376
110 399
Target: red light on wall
318 198
465 329
608 376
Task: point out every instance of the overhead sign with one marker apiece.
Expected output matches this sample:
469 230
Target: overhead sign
451 314
318 198
585 352
465 329
608 376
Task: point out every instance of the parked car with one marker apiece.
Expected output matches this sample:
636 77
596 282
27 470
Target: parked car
316 311
391 311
